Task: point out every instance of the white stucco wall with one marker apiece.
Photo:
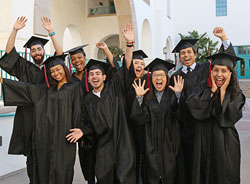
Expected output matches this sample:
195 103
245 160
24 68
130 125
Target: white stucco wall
200 15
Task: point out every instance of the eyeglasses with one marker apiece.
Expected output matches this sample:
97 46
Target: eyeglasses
159 76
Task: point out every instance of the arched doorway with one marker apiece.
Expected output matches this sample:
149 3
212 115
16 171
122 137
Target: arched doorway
71 37
146 40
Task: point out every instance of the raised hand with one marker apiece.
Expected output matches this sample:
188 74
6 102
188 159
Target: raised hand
20 23
128 33
101 45
226 83
75 135
220 33
178 84
214 86
139 89
46 23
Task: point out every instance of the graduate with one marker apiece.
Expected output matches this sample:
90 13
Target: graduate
106 124
57 114
78 59
216 155
156 110
26 71
134 61
193 73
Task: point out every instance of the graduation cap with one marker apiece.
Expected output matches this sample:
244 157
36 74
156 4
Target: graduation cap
139 54
158 64
76 50
224 59
34 41
53 61
92 65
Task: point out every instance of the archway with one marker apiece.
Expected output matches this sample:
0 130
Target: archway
71 37
146 41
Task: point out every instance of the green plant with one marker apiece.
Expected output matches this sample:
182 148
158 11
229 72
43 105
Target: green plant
204 46
116 51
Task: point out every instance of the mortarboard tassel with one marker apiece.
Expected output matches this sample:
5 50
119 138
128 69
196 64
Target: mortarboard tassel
175 60
25 53
70 68
148 82
45 74
86 81
209 82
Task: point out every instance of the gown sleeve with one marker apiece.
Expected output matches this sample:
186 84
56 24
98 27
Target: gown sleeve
199 102
17 93
231 110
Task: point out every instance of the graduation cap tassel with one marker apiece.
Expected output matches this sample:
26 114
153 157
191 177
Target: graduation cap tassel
148 82
86 81
25 53
46 78
209 82
175 60
70 68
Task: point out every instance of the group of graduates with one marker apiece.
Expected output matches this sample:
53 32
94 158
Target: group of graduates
133 124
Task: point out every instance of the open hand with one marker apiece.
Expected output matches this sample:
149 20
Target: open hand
20 23
46 23
128 33
139 89
214 86
75 134
226 83
101 45
178 84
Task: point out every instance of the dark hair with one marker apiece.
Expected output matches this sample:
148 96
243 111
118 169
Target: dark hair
150 94
233 86
54 82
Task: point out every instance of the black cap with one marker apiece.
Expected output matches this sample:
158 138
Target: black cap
184 43
77 50
34 41
139 54
224 59
96 64
159 64
55 60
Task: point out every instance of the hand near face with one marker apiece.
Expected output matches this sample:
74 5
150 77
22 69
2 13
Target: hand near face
101 45
46 23
20 23
214 86
220 33
139 89
225 85
128 32
75 135
178 84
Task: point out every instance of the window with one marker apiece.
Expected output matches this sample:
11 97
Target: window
241 50
242 68
221 8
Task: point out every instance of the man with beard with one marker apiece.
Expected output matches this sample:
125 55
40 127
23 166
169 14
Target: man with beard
23 70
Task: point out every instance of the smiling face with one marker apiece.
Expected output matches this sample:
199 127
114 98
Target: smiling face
159 80
187 56
139 66
37 53
57 72
220 74
96 78
78 61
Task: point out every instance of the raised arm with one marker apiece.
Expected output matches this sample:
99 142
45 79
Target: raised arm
19 24
103 46
47 25
128 34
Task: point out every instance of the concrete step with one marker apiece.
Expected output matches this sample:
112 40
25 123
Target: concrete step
245 86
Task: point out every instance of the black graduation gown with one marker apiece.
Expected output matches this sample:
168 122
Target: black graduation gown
25 71
161 138
86 151
55 112
216 142
107 122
